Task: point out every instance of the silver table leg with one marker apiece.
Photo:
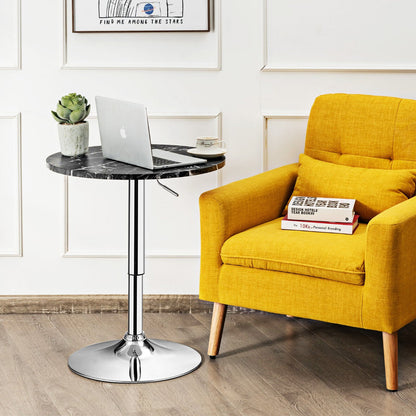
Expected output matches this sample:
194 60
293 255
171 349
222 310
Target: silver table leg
135 359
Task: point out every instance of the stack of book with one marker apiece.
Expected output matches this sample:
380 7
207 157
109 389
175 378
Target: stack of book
325 215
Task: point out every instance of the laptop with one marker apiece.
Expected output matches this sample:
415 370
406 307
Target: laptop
125 136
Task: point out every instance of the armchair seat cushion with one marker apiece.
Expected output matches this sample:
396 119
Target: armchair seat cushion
336 257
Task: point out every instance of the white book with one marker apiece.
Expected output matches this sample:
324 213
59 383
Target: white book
320 226
321 209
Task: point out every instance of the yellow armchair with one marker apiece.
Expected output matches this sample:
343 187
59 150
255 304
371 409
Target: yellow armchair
367 280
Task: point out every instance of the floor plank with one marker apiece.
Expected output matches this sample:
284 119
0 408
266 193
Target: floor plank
303 392
348 360
21 392
268 364
44 351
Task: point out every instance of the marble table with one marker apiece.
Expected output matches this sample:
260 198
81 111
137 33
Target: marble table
134 358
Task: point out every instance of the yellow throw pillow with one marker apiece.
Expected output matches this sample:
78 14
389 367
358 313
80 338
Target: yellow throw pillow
375 190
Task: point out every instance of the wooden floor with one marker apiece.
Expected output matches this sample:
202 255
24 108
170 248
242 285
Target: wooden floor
268 365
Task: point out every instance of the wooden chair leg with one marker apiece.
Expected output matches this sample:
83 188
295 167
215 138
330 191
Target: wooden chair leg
217 325
391 349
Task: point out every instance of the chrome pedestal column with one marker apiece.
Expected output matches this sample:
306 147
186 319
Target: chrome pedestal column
135 359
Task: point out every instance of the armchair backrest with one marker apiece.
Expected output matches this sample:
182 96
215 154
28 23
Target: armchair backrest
363 130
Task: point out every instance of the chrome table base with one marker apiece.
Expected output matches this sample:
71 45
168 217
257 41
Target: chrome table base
139 361
135 359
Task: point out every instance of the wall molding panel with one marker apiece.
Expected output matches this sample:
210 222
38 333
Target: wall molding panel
17 251
17 64
216 27
68 252
266 121
267 66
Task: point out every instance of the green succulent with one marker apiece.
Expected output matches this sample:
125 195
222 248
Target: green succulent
71 109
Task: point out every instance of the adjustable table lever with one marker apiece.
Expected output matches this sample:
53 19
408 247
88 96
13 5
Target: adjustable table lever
166 188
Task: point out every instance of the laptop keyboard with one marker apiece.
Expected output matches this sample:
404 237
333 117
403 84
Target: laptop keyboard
158 161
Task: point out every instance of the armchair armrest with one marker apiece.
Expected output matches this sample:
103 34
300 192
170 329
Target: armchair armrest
236 207
389 296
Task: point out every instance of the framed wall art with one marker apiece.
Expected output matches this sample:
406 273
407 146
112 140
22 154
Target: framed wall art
140 16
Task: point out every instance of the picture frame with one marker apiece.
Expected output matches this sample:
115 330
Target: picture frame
120 16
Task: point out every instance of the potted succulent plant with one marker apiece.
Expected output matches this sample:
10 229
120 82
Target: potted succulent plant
71 112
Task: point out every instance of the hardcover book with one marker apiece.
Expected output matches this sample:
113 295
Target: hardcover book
321 226
321 209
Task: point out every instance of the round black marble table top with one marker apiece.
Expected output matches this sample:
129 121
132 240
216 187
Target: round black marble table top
94 165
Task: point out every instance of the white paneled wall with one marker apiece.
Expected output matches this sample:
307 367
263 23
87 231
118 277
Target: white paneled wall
251 80
10 28
333 35
284 139
10 186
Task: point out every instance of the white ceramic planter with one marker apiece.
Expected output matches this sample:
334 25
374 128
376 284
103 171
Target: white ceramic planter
74 138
